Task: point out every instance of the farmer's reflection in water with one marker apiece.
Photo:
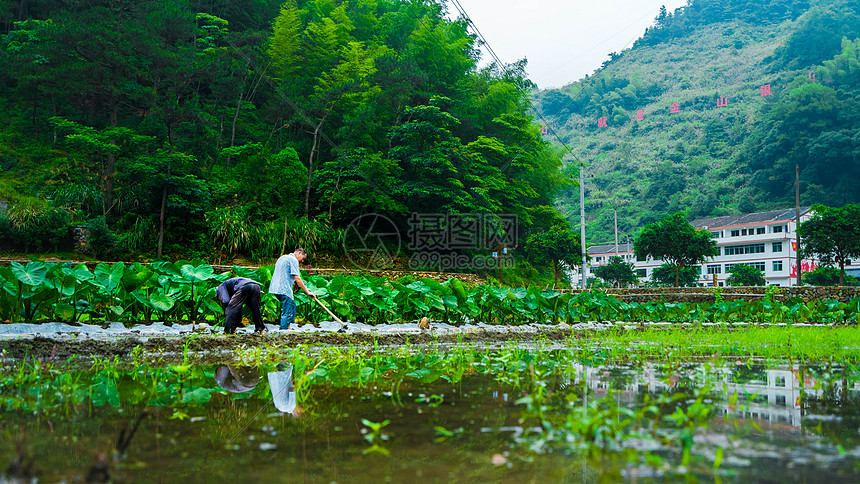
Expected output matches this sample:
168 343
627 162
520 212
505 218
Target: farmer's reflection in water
283 391
237 379
246 378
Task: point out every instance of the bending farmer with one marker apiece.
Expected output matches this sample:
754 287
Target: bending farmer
235 292
286 274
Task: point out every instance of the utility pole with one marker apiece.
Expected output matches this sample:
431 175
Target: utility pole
615 210
584 271
797 217
499 258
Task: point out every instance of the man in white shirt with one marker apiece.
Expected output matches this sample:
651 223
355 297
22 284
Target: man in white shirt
286 274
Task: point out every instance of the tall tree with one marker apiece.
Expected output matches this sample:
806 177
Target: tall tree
746 275
558 247
617 272
832 235
676 242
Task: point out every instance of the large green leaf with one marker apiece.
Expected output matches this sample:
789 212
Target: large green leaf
109 277
203 272
135 277
168 269
33 274
82 274
8 281
459 290
161 302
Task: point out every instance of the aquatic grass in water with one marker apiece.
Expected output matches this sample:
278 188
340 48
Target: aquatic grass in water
612 406
803 343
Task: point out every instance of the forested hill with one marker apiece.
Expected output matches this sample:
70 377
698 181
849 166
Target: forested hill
190 128
758 86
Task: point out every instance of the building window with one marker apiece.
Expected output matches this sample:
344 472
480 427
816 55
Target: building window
760 230
780 381
777 266
780 400
641 273
736 233
743 231
777 229
714 269
758 265
777 246
745 249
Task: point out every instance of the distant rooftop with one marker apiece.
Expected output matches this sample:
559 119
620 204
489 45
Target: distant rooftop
610 248
748 218
714 222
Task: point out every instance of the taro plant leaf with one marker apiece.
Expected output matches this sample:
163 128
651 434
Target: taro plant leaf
33 274
196 275
109 278
30 294
64 311
459 290
161 302
133 279
341 307
203 272
104 391
82 274
198 395
166 269
63 281
9 281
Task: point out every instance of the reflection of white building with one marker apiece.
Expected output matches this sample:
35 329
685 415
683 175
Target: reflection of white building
764 240
774 399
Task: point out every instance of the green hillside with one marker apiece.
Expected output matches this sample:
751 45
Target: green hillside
729 148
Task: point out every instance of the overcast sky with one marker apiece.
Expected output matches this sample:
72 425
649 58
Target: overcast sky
563 40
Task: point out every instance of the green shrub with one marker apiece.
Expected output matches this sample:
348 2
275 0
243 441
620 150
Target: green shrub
101 241
35 228
827 276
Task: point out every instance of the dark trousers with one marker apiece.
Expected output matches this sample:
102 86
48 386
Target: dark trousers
247 294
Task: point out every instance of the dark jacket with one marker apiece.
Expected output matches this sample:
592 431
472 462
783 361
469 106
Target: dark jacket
229 287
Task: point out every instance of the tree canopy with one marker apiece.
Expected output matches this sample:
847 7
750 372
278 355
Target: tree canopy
676 242
207 128
832 235
557 248
745 275
668 275
617 272
828 276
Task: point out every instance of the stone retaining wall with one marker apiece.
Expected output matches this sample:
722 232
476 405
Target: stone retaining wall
703 294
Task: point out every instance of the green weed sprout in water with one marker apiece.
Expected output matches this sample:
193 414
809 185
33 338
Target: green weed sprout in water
374 435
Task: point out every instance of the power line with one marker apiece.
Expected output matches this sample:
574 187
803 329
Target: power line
503 66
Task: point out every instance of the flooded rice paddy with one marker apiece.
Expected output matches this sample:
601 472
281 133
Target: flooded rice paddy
430 414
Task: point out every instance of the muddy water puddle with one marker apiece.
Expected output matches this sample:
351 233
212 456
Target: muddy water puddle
490 416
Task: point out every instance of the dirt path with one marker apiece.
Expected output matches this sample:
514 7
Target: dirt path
52 343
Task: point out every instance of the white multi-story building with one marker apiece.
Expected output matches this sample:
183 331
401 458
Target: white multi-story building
764 240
